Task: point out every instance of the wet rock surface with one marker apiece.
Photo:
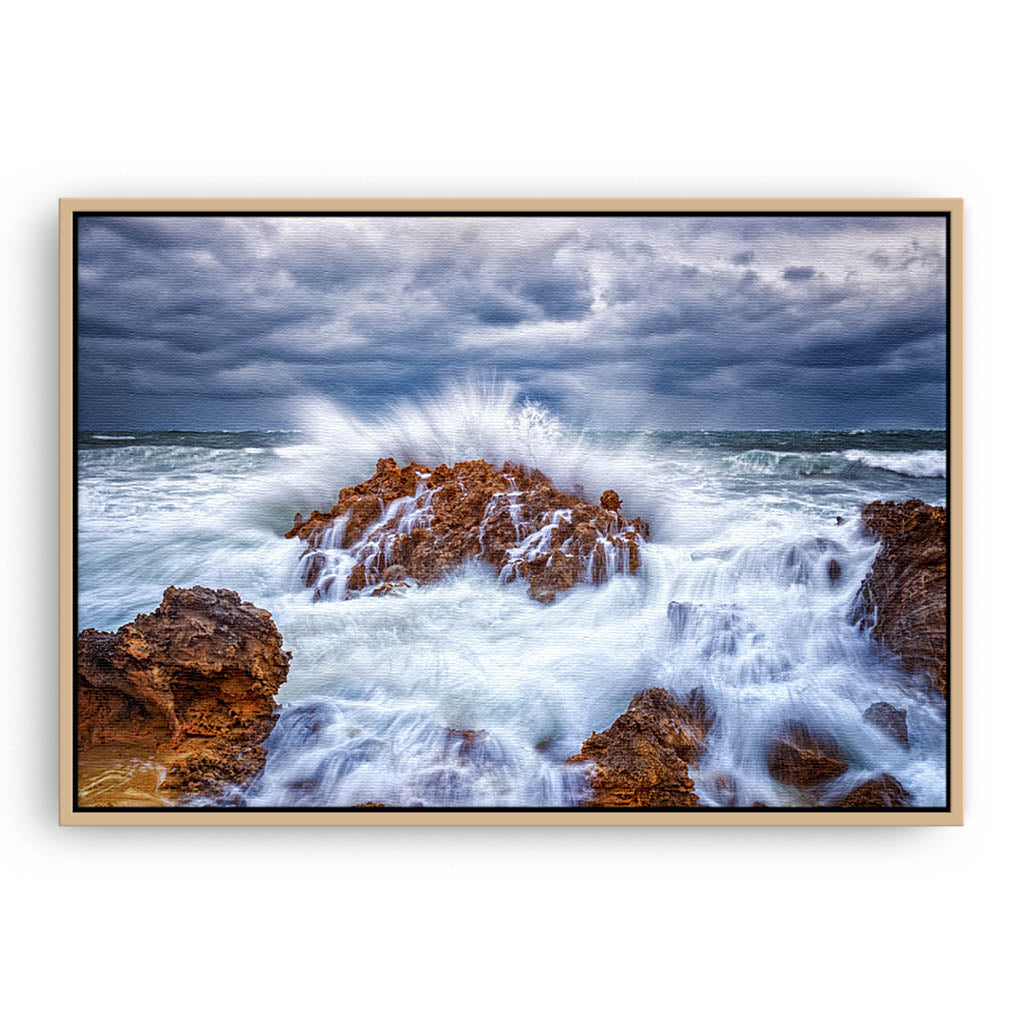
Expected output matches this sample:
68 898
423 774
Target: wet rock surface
892 721
415 523
881 791
642 758
903 599
189 686
465 744
803 758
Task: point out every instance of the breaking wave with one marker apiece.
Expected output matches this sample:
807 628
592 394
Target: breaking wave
925 464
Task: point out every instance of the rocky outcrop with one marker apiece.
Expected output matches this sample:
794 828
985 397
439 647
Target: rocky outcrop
190 686
802 758
881 791
903 599
642 758
892 721
416 523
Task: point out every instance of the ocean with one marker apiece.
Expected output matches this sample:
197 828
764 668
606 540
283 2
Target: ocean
380 692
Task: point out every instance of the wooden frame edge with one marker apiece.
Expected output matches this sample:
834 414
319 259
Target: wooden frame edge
68 207
514 818
497 204
66 523
955 441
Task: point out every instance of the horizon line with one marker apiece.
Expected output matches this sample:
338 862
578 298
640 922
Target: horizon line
634 430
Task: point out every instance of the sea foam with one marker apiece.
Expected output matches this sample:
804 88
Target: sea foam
926 463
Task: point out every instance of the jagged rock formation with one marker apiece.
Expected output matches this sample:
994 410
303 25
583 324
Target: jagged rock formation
802 758
190 686
903 599
416 523
881 791
641 759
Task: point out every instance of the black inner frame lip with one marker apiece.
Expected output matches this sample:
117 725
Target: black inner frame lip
638 214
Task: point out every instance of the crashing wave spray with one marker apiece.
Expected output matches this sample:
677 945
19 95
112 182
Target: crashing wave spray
464 421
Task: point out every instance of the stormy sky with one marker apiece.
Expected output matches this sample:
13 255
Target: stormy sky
648 322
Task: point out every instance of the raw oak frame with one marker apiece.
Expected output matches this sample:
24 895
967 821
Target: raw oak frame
954 812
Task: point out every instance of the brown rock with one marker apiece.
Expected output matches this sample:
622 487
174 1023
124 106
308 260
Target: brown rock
512 519
801 758
610 500
890 720
190 687
641 759
905 592
881 791
357 578
835 571
387 588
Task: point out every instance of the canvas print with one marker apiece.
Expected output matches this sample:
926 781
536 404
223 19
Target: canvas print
603 511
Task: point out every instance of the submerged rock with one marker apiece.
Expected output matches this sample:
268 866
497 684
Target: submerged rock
717 628
642 758
799 757
416 523
903 599
190 686
892 721
387 588
465 743
881 791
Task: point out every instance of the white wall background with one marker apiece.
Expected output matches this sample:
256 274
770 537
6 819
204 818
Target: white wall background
638 98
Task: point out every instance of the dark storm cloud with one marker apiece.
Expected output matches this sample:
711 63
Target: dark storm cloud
226 322
798 273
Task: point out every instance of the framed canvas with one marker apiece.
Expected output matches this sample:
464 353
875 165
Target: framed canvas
512 511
